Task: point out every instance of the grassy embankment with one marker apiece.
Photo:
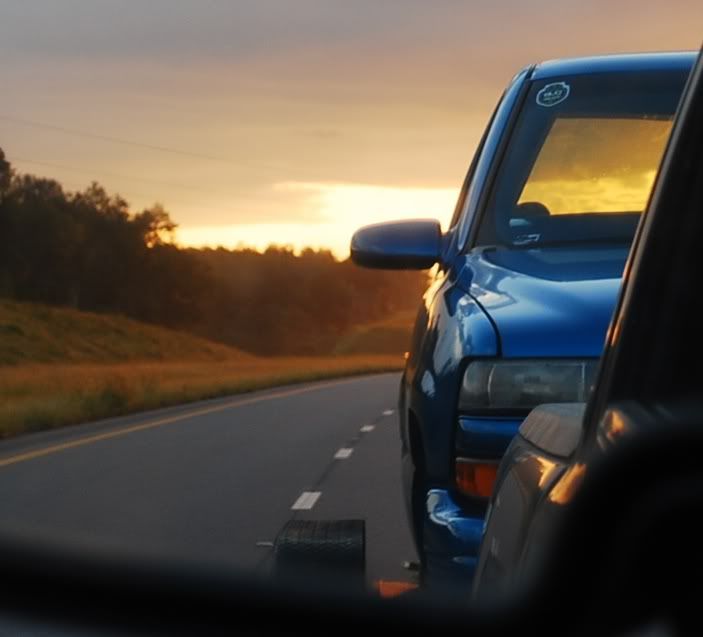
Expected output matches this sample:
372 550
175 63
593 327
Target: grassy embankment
60 366
382 337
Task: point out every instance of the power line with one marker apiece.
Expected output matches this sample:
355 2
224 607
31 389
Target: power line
146 180
91 172
129 142
78 188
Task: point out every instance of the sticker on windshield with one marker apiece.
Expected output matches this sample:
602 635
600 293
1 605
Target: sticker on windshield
553 94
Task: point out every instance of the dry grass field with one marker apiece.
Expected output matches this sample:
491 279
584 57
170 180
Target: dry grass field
60 367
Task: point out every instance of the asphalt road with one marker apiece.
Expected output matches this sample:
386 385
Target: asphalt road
217 480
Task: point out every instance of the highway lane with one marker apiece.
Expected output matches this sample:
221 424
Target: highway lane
217 480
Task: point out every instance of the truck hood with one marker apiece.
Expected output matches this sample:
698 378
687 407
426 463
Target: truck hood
549 301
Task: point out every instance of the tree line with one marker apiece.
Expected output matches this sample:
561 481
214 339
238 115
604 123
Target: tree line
89 251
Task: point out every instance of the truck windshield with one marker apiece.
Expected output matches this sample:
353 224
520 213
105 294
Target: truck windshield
582 159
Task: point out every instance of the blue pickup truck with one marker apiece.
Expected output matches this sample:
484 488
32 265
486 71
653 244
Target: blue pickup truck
525 279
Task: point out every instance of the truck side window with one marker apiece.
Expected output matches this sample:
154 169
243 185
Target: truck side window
459 209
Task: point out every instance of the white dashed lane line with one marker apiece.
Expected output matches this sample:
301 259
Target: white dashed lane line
306 501
388 412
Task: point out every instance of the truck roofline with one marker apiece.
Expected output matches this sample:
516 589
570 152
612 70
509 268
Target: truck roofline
618 63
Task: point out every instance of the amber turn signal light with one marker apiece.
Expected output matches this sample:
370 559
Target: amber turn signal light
476 478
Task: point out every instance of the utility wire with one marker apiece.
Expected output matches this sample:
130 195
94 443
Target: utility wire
129 142
86 171
72 185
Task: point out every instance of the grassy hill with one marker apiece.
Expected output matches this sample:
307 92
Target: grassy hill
391 336
60 366
42 334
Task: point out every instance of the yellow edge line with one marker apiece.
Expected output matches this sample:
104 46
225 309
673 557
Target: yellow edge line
46 451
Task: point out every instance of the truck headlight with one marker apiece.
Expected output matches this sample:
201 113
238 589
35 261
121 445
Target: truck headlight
525 383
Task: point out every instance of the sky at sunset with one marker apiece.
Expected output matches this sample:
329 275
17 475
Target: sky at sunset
288 121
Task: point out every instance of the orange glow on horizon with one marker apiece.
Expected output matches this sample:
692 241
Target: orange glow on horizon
340 209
